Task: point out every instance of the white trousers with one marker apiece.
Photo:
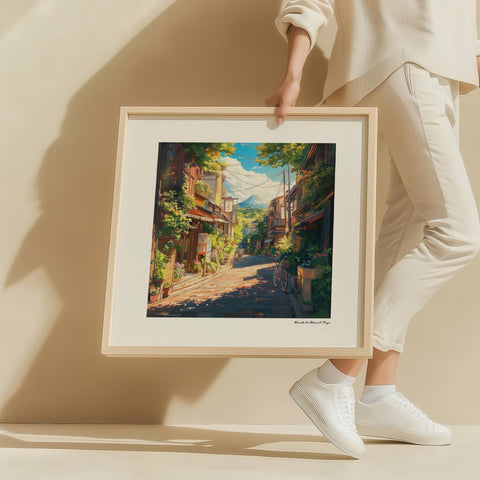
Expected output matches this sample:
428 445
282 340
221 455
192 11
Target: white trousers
429 192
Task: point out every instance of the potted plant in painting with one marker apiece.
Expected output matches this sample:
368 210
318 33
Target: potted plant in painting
167 289
322 292
215 258
197 267
321 260
208 268
213 266
178 271
155 293
158 276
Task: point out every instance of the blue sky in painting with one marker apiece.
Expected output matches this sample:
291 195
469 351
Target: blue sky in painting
246 177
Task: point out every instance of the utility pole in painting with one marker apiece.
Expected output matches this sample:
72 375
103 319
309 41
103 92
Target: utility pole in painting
289 212
284 198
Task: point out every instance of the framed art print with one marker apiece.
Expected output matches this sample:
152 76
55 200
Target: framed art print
233 236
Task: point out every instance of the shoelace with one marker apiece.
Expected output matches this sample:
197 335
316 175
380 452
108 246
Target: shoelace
347 406
404 401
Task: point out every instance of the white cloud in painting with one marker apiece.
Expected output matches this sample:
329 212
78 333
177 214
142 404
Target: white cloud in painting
242 183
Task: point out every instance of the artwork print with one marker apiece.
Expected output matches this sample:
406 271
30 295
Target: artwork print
242 230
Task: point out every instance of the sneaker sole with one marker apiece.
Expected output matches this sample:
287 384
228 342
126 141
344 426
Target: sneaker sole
439 438
304 402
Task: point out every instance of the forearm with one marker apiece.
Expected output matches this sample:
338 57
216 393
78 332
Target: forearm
298 50
299 46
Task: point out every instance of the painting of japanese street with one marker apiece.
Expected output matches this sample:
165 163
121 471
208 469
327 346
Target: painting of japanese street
242 230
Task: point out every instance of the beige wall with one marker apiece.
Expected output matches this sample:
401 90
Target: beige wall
66 69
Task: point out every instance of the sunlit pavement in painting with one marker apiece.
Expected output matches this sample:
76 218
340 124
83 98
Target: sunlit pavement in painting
246 290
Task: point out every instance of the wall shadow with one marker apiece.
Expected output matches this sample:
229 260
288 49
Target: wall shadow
194 53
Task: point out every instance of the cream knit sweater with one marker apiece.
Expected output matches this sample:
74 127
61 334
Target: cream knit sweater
375 37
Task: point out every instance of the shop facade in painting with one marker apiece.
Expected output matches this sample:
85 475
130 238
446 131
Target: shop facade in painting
302 209
189 201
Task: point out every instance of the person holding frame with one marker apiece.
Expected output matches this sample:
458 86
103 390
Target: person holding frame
411 59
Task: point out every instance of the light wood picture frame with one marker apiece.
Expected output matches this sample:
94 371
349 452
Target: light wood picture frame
184 178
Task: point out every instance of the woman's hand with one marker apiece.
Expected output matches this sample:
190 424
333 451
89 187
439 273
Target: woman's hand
284 96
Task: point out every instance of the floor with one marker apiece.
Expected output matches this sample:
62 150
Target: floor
197 452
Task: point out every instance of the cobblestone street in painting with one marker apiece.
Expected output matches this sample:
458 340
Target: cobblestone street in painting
246 290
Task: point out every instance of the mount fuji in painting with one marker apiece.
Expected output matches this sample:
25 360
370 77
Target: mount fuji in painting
253 201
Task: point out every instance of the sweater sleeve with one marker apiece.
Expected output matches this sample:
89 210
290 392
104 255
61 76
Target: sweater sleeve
311 15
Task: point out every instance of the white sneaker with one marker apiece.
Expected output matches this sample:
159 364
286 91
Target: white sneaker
331 407
393 416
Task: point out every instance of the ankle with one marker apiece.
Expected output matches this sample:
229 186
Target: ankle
373 393
329 373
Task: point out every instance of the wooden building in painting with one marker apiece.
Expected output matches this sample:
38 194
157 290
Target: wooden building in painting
316 215
175 169
277 221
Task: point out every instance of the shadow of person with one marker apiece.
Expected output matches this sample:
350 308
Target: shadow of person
174 438
194 53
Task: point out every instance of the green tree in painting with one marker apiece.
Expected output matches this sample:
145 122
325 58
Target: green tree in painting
245 218
240 227
259 234
318 182
206 155
281 154
221 243
175 204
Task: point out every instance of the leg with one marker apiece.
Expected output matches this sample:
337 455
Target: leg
348 366
399 231
428 188
417 117
382 367
401 226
